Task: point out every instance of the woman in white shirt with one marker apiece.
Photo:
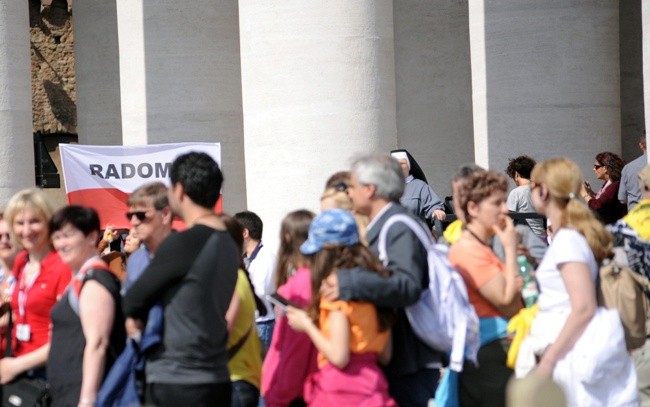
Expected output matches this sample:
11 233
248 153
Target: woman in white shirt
578 344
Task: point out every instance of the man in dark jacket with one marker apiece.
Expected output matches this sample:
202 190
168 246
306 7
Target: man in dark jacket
376 186
193 276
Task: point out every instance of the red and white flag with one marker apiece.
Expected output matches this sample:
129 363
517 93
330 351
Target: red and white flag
102 177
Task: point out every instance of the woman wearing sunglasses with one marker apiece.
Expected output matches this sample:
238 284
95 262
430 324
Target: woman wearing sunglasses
605 203
41 278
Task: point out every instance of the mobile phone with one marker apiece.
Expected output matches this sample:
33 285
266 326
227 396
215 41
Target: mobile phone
280 301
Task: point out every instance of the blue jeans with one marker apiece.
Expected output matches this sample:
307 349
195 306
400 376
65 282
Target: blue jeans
265 332
244 394
414 390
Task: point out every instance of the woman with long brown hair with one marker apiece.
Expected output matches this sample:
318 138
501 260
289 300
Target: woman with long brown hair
349 335
291 356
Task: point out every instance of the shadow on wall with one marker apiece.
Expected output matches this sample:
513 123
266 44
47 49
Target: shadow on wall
63 107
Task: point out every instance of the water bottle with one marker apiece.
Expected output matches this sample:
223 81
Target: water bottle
529 289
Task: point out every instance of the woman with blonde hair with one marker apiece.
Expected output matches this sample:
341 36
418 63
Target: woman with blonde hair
579 345
41 278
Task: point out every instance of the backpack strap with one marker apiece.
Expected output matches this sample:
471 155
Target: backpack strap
77 283
422 234
234 349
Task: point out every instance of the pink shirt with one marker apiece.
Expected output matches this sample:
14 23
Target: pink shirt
292 355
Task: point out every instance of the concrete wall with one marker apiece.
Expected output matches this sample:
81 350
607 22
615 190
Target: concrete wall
16 140
98 72
181 79
434 86
318 84
550 80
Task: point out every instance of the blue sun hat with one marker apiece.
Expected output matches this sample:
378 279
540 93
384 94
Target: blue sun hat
334 227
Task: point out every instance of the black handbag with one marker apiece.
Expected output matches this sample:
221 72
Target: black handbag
24 391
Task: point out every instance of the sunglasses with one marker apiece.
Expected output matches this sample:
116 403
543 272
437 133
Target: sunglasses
141 215
598 166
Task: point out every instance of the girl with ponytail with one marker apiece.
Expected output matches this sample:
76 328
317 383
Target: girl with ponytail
570 331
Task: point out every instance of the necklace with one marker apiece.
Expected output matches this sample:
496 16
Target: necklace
476 237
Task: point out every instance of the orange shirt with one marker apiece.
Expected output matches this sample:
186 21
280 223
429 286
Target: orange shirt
477 264
364 328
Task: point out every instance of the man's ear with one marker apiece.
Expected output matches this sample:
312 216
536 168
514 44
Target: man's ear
167 215
372 190
245 233
178 191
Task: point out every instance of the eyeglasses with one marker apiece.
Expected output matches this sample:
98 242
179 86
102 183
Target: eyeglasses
598 166
141 215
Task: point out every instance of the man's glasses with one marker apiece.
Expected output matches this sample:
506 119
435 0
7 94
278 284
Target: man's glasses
598 166
141 215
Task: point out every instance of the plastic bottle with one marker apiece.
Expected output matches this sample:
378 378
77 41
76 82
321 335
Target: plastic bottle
529 289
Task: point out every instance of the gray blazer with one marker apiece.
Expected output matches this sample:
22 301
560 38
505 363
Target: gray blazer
407 261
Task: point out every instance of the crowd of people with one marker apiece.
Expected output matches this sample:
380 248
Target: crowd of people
323 321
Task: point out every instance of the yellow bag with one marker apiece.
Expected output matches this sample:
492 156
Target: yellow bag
519 325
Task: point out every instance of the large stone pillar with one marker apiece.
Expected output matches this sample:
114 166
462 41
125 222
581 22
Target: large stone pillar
97 70
180 79
434 86
545 79
632 106
16 138
645 13
318 84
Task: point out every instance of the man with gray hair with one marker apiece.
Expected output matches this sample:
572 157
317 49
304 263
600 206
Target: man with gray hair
151 217
376 185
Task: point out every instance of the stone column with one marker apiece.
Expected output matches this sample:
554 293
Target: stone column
318 83
180 79
16 137
545 79
434 86
645 15
632 106
97 69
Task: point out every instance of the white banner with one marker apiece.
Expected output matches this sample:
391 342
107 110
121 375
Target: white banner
102 177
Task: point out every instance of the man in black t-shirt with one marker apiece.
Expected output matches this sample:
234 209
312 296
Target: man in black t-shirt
193 275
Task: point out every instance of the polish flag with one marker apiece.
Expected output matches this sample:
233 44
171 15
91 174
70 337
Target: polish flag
102 177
